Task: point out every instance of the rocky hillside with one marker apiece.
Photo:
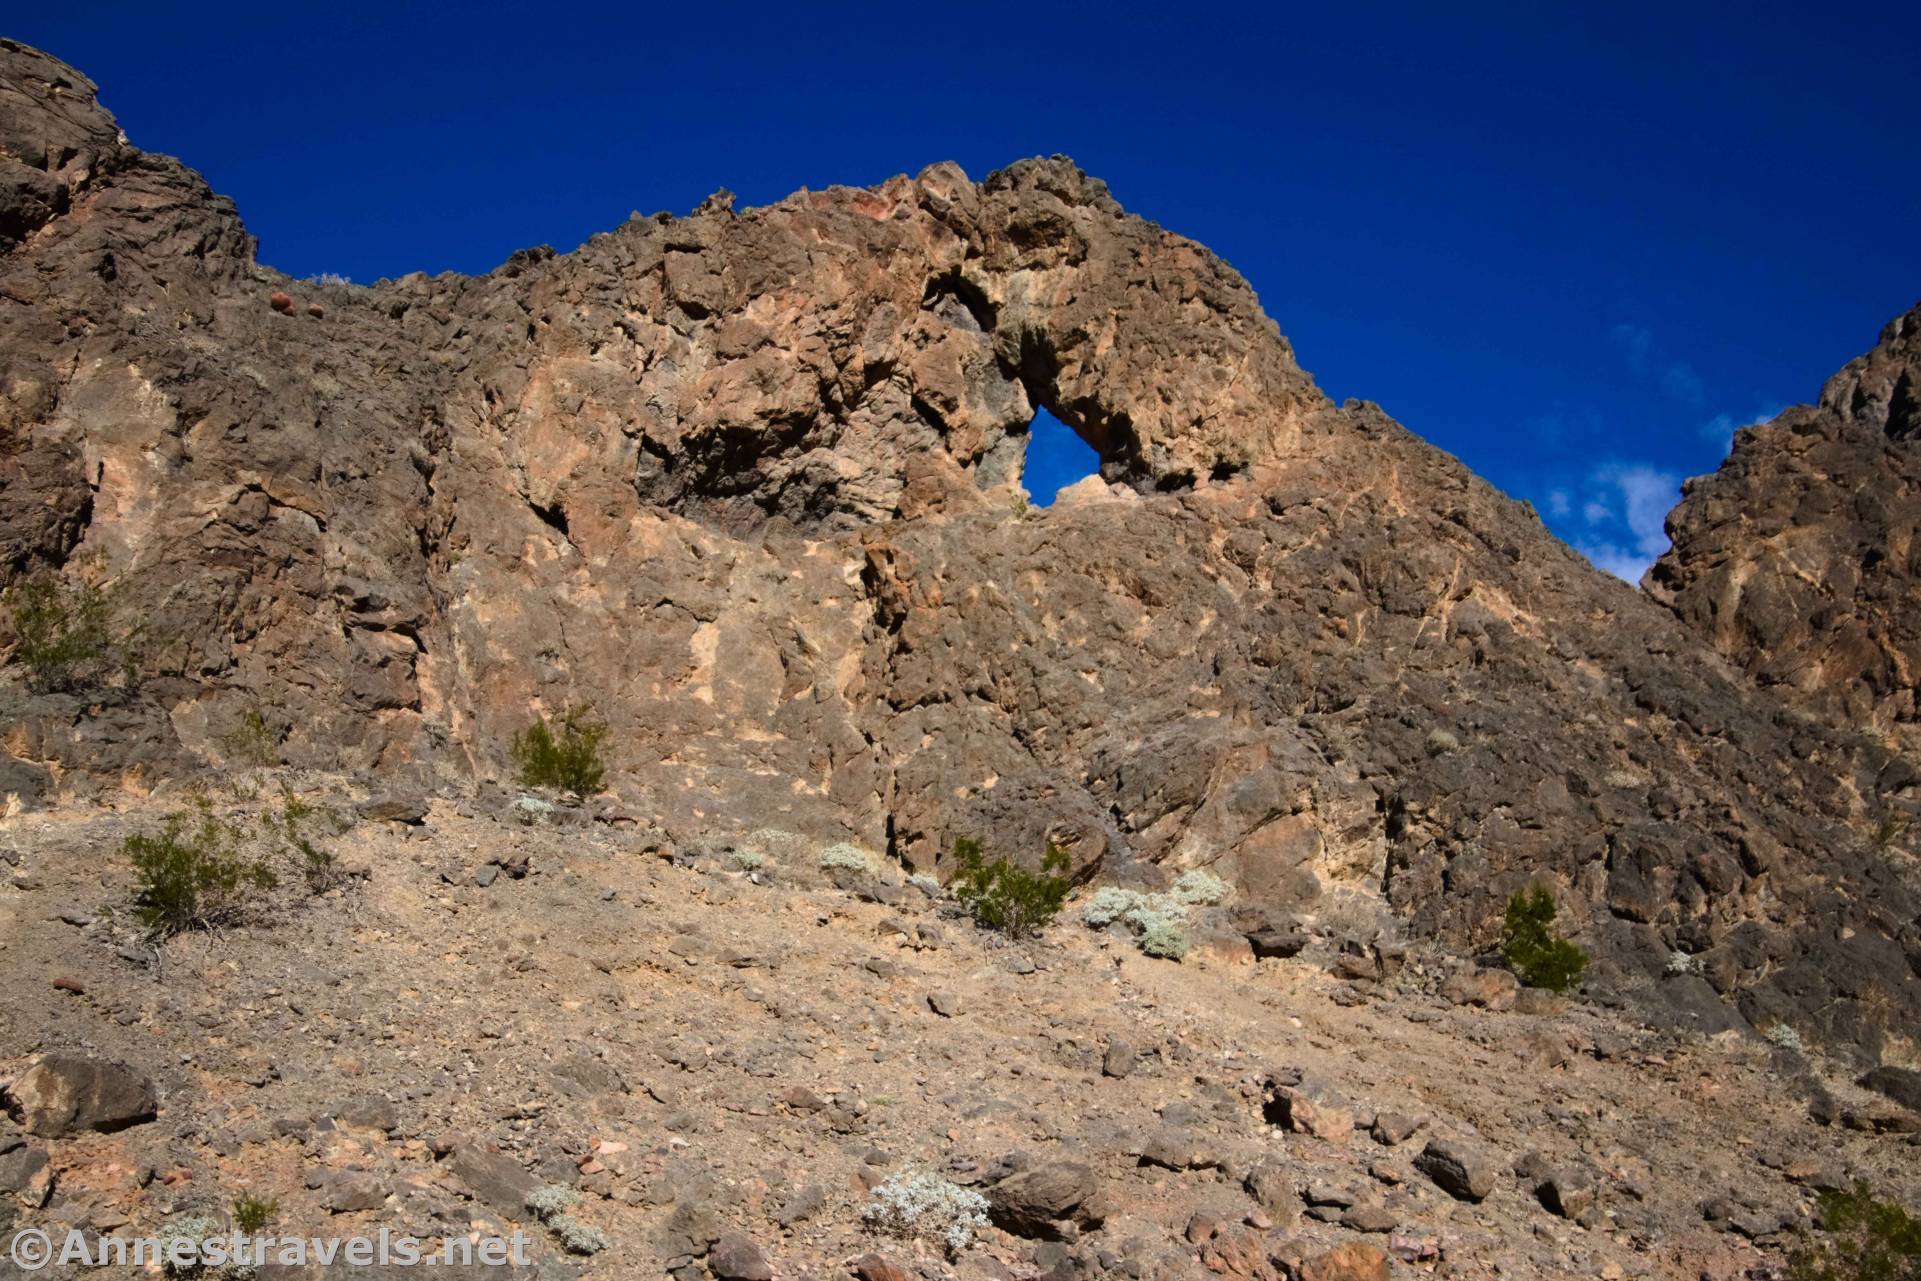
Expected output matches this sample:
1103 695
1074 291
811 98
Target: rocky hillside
725 1063
749 483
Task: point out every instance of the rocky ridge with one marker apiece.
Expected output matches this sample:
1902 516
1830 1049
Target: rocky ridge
1798 559
748 481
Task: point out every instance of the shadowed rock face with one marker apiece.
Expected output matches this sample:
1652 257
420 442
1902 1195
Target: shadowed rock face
748 482
1800 558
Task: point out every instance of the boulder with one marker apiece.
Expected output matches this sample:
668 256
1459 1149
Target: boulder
1459 1169
63 1094
735 1257
495 1179
1041 1202
1352 1261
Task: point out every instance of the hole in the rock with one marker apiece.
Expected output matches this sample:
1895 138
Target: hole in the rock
1056 458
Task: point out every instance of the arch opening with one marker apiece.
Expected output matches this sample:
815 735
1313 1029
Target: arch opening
1056 458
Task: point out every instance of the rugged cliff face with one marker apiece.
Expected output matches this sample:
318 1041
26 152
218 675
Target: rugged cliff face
1800 558
749 483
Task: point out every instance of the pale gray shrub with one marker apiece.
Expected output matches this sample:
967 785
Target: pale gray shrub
923 1205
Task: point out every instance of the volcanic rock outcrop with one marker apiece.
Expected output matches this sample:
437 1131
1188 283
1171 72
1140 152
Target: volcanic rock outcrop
1800 559
748 482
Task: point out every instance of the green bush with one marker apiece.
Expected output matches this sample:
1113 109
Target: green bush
1863 1239
568 761
1005 896
65 637
288 830
252 1213
250 741
195 876
1537 954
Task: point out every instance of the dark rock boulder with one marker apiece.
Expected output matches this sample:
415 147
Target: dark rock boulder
64 1094
1038 1202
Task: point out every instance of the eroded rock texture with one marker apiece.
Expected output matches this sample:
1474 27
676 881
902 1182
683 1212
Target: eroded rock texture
748 482
1799 559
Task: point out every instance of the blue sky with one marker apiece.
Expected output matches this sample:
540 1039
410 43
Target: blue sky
1574 248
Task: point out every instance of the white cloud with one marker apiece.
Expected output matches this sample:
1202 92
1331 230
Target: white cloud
1617 561
1557 502
1627 505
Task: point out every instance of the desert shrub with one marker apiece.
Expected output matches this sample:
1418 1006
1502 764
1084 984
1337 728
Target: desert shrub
550 1199
1680 962
65 637
252 1213
1784 1037
1201 888
1154 912
200 871
1003 895
189 1237
1165 940
550 1204
568 761
1862 1239
577 1237
1109 904
843 855
927 1207
1537 954
1158 922
195 874
289 830
747 860
928 885
250 741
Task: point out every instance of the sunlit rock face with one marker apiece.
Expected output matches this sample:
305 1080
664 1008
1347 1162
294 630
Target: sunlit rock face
749 482
1800 559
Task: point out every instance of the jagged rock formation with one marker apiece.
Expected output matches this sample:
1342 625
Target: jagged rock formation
747 481
1800 558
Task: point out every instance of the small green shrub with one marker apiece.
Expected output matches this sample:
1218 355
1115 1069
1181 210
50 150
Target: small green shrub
1537 954
1863 1239
194 876
287 829
568 761
250 742
747 860
64 635
252 1213
1003 895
